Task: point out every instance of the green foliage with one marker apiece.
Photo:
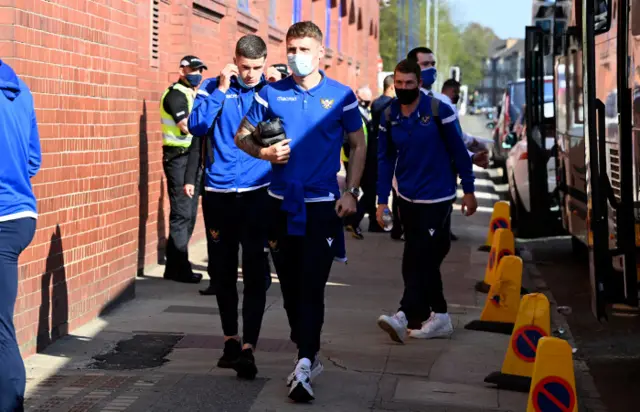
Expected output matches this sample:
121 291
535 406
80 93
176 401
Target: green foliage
465 47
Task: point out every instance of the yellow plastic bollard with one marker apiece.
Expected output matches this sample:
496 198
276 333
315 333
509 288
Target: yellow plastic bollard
501 307
500 219
532 324
553 385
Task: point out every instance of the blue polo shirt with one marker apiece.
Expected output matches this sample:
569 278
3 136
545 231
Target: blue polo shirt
420 157
315 120
232 169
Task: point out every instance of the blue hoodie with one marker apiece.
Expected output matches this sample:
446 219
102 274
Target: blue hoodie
232 170
420 158
19 147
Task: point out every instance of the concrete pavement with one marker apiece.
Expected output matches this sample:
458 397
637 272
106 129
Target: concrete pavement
159 351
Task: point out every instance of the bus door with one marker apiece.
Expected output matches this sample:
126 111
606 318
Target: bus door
540 125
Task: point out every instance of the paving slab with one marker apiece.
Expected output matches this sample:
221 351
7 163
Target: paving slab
364 369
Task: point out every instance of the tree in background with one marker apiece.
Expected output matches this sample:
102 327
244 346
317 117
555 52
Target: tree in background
465 47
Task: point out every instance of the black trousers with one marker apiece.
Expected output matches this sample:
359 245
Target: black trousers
184 211
234 219
303 264
397 230
427 229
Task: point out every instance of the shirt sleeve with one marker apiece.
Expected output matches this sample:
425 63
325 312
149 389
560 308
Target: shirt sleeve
208 103
386 161
457 148
351 119
175 103
259 109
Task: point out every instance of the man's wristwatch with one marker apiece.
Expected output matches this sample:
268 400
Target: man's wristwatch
354 191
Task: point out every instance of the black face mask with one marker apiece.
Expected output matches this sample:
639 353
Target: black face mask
365 103
407 96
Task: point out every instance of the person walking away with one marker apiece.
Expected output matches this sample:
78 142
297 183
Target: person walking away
175 105
352 223
306 205
20 146
235 201
418 140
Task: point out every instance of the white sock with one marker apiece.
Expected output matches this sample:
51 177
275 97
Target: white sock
305 361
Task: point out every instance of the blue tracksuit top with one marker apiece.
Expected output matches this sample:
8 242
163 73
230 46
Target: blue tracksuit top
19 147
315 120
232 170
422 159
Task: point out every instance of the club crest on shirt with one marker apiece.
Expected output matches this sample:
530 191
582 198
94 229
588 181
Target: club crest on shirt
326 103
424 120
273 244
215 234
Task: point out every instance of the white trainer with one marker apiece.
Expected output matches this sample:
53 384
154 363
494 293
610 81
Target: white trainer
437 326
316 369
301 390
395 326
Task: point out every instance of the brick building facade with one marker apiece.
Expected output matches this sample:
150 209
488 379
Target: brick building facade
97 70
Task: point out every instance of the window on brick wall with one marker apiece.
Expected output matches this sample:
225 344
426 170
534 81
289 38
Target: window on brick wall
155 34
243 5
352 13
272 11
360 25
341 13
297 11
327 24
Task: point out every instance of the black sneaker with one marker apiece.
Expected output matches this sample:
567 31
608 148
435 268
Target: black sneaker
230 354
357 233
453 237
245 366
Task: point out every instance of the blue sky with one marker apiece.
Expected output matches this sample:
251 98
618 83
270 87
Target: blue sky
507 18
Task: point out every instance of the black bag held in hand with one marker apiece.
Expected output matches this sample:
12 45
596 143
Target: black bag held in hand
269 132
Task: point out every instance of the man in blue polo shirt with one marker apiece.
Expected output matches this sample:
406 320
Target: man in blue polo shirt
306 204
419 145
234 201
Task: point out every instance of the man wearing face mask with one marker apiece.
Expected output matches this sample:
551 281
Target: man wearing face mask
419 140
235 201
175 105
306 203
477 150
428 73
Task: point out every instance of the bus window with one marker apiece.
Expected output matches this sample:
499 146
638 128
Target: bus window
602 17
635 18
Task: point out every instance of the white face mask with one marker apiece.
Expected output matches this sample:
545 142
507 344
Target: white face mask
301 64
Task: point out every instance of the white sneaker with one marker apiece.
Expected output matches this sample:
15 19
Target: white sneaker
437 326
301 390
395 326
316 369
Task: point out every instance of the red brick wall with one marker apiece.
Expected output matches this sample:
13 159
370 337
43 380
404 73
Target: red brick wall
101 190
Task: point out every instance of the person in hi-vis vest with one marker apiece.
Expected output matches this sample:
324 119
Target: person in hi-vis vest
175 105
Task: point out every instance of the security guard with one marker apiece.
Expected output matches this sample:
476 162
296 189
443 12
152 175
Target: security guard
418 140
306 204
235 201
175 105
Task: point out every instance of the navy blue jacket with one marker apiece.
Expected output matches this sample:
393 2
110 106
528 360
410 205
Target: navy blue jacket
232 170
420 157
19 147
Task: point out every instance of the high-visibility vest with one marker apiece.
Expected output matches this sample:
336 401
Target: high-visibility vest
171 133
343 156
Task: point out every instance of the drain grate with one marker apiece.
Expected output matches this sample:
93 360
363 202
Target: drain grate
139 352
